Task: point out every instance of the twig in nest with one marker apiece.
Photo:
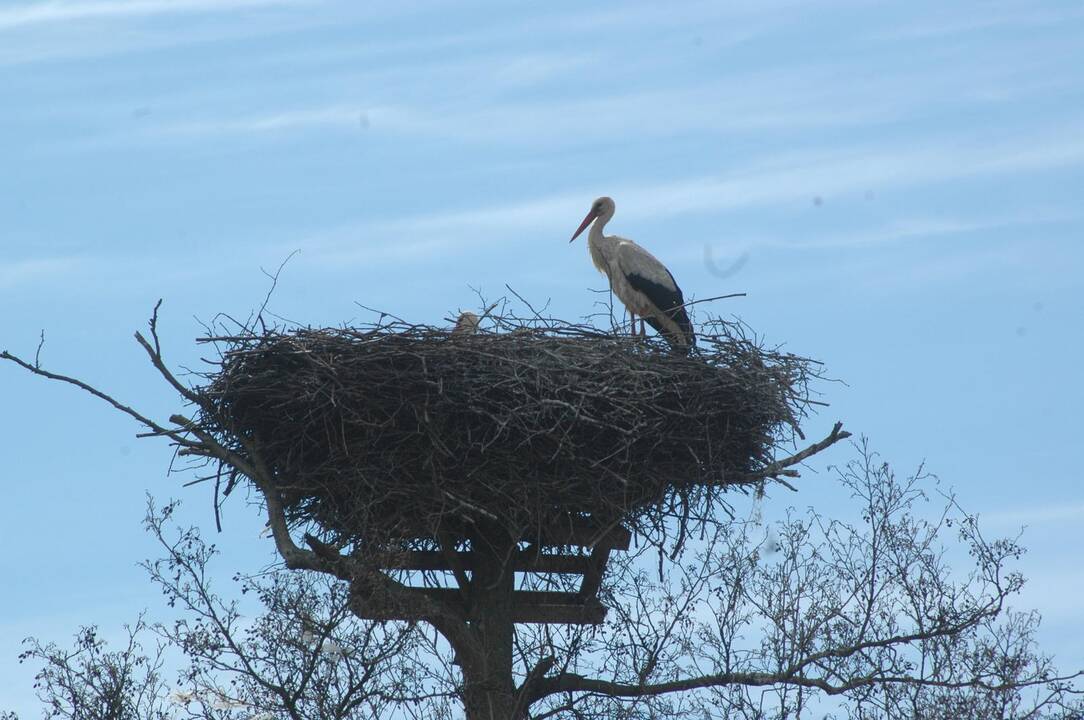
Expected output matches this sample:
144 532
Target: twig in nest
713 299
274 283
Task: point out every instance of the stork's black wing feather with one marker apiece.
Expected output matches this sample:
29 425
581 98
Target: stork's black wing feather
669 300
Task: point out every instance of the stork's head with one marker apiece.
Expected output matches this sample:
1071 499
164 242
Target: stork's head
602 207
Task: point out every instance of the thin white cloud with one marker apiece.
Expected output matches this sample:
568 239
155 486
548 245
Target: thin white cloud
953 20
497 73
790 180
925 227
1039 515
894 231
875 273
342 116
99 270
431 236
530 69
1054 587
39 13
788 99
409 95
644 114
798 178
15 273
739 23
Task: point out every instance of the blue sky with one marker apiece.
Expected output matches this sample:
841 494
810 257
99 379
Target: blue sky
903 180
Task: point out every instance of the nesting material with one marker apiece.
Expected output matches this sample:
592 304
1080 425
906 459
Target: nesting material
396 431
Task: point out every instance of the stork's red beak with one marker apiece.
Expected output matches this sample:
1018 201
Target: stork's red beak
586 221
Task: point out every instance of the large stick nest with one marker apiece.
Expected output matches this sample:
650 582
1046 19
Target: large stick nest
397 431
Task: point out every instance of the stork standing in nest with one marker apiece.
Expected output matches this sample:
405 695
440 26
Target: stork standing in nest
638 279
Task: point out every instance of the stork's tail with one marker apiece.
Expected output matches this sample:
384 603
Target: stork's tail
688 335
677 329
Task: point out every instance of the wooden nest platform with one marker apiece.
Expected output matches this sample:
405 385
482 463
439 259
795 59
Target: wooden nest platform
389 433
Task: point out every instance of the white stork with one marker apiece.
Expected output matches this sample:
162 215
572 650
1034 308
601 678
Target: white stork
638 279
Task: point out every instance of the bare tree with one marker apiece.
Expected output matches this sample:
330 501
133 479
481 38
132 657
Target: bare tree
89 682
302 656
753 621
865 619
871 614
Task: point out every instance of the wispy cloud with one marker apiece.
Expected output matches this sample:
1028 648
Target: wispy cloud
605 94
403 98
737 24
788 180
451 88
428 236
1042 514
514 71
567 121
905 229
1055 584
798 177
39 13
882 234
955 20
343 116
14 273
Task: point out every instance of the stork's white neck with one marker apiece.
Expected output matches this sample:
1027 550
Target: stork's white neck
601 246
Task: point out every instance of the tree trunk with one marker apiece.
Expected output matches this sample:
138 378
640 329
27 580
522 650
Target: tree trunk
489 691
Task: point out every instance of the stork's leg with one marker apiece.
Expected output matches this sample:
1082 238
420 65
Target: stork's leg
632 323
643 327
